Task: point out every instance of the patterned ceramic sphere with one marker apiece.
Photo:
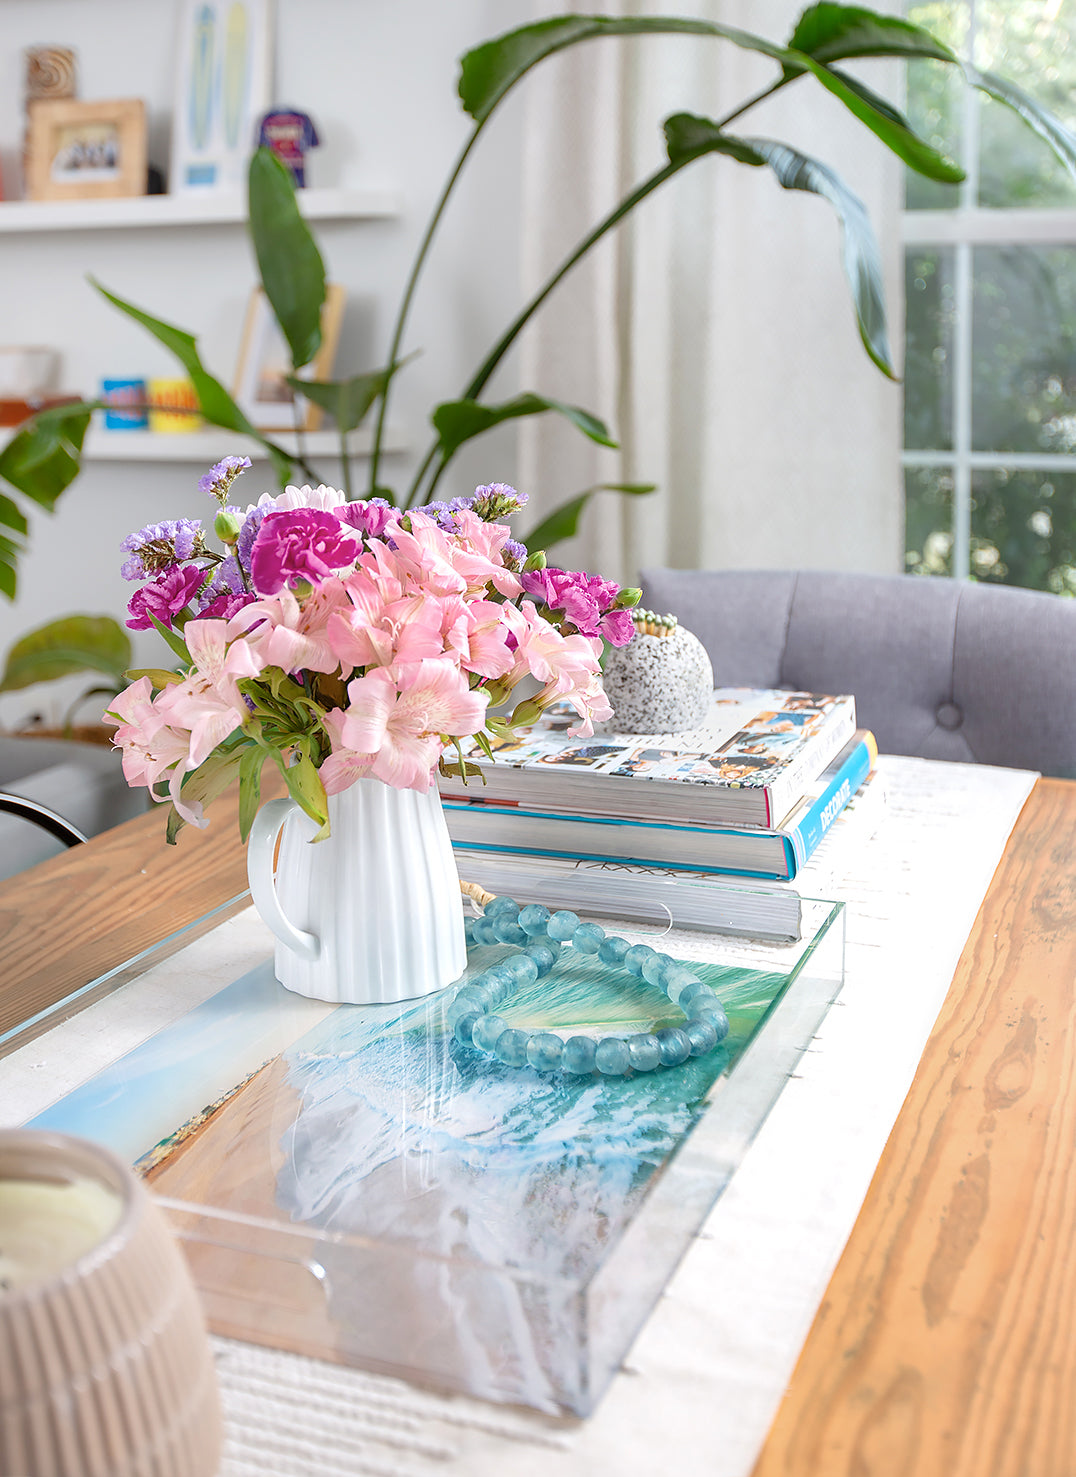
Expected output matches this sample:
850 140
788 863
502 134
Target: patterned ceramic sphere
658 683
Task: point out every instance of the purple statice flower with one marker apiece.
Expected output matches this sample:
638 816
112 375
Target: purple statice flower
496 501
161 546
218 479
514 550
224 606
584 598
165 597
227 580
249 530
303 544
370 518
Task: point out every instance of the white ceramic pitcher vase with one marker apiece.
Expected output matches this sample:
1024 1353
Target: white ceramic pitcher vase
373 912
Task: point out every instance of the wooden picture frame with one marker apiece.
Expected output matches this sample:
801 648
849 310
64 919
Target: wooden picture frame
260 390
86 150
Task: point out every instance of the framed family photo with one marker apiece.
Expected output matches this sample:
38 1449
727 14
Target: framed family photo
86 150
222 85
261 388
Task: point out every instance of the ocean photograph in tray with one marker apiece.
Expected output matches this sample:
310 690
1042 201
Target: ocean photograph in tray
378 1194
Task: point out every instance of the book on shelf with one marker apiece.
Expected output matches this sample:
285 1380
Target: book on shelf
747 765
775 853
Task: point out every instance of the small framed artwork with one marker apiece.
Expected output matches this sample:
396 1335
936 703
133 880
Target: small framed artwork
86 150
261 389
223 77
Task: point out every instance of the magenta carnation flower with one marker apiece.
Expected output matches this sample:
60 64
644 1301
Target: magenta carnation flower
584 598
223 607
371 517
303 544
165 597
617 626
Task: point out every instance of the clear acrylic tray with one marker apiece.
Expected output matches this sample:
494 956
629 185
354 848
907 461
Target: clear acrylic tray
349 1182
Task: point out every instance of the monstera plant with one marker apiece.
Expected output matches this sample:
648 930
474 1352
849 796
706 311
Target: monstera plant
43 459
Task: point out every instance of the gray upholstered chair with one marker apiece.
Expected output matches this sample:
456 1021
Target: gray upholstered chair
939 668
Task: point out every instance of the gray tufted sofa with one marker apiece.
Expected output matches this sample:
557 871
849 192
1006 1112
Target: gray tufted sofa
939 668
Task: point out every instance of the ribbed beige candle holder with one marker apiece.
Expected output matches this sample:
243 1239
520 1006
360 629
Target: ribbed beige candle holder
105 1365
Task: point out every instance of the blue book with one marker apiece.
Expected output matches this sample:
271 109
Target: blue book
776 854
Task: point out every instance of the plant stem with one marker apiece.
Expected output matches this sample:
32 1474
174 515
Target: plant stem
504 343
409 292
345 463
751 101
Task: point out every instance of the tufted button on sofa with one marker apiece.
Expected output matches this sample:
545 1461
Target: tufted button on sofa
944 669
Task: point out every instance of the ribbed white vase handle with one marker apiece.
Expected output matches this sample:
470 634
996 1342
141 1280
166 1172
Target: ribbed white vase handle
260 848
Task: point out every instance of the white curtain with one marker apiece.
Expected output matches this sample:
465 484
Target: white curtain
714 331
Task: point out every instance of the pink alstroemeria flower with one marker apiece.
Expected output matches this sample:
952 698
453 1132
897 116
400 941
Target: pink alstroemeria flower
282 633
477 632
394 718
152 747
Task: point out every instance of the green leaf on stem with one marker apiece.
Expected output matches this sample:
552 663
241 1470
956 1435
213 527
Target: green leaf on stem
42 459
76 643
203 785
290 264
216 404
159 677
11 517
685 133
563 522
831 33
174 640
347 401
1039 119
305 788
491 70
457 421
251 761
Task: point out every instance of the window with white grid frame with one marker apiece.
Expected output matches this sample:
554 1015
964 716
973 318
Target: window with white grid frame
990 342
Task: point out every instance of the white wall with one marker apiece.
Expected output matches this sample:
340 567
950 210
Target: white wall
379 79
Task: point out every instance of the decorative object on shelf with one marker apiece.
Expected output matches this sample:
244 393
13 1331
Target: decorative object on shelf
127 404
539 936
662 682
173 407
222 88
86 150
51 72
289 134
263 390
114 1370
351 644
27 371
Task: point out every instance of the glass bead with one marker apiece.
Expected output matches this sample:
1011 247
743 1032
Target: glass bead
479 997
483 931
587 938
678 979
579 1052
512 1047
674 1045
486 1032
717 1016
656 970
612 950
464 1027
636 957
522 969
644 1051
562 925
498 907
702 1034
697 991
612 1057
533 919
542 954
507 931
545 1051
468 928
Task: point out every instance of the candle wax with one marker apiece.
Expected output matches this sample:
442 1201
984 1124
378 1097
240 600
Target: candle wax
47 1225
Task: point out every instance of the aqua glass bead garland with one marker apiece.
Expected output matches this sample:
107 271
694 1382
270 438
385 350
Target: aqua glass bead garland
539 936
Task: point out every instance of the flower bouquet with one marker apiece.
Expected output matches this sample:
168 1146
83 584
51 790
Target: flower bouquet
345 641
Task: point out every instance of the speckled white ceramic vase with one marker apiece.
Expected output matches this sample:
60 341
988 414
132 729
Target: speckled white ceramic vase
658 684
373 912
105 1366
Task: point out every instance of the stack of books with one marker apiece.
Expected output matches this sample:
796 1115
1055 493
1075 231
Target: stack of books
751 793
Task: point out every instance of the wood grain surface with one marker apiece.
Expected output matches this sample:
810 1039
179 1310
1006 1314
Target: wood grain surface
67 920
946 1343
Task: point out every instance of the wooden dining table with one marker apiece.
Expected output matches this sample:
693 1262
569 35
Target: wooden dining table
944 1343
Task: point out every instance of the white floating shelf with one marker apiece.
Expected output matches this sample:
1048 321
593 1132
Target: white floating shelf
208 209
209 446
